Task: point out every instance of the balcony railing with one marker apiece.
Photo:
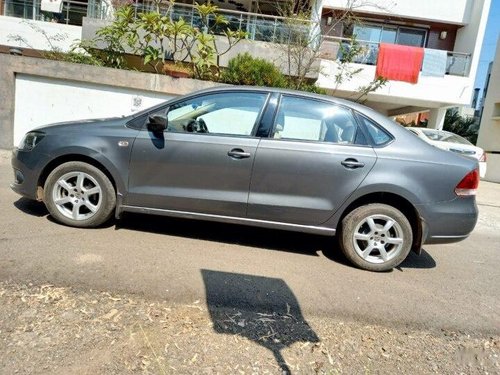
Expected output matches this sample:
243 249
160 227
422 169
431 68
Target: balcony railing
457 63
261 27
72 12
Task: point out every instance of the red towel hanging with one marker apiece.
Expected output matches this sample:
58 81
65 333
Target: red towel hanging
399 63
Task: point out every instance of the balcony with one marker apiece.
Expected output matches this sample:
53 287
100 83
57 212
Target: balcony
259 27
458 64
456 12
453 89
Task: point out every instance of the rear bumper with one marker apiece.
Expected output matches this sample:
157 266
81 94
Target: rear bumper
448 222
482 169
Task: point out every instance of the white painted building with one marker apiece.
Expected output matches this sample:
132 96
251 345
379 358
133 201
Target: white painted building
455 26
489 131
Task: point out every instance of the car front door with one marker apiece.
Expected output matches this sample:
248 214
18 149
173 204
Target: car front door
312 161
203 161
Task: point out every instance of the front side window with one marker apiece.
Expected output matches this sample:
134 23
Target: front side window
312 120
233 113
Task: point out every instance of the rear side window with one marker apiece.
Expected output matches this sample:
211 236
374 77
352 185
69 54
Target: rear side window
378 135
312 120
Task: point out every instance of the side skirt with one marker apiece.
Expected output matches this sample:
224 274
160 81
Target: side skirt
231 219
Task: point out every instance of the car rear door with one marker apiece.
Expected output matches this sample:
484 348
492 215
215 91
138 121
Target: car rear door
310 163
202 163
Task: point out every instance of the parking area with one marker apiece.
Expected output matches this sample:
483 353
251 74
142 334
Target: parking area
453 285
449 288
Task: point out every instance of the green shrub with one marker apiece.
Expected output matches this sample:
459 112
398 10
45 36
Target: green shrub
247 70
312 88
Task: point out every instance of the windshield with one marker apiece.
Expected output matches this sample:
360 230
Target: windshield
443 136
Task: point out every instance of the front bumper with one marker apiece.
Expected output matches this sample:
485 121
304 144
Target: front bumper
27 167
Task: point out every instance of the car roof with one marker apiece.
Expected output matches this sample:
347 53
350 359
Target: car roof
306 94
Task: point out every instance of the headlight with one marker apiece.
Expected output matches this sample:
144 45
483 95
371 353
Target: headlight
30 140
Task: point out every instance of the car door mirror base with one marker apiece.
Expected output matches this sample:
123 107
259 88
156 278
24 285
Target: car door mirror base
157 124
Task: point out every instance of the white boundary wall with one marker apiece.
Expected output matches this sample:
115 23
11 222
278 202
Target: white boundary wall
42 100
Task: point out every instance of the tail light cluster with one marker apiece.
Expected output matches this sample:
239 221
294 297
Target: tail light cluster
468 185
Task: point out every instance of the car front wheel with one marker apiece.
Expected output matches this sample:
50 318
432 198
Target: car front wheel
79 195
376 237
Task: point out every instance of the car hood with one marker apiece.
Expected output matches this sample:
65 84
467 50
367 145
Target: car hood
79 124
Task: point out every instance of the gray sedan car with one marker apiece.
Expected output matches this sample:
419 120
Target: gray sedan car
257 156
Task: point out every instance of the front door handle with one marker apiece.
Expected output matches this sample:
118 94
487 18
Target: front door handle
351 163
238 153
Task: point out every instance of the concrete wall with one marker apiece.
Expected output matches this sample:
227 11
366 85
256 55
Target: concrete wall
35 92
33 32
489 131
469 38
45 100
446 11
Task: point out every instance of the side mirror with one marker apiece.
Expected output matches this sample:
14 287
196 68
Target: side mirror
157 124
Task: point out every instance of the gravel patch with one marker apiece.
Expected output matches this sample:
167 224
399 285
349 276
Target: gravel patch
47 329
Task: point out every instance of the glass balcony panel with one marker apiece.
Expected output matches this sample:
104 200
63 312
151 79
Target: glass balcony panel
264 30
457 64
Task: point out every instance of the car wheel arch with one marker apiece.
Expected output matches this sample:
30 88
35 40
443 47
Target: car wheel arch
74 157
394 200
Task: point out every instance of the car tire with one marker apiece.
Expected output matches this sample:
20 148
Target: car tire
79 195
376 237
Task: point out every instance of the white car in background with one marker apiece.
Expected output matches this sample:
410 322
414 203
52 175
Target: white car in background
452 142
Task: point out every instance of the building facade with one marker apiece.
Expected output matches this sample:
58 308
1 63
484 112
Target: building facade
489 131
454 26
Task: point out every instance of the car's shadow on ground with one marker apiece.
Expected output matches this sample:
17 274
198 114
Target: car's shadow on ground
38 209
31 207
424 260
270 239
228 233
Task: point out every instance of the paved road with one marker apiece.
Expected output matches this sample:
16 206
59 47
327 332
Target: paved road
452 286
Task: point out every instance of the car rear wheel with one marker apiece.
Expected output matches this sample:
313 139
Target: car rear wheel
376 237
79 194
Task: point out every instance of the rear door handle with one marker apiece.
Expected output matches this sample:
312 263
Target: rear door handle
238 153
351 163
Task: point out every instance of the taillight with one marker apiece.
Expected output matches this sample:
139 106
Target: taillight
483 157
468 185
